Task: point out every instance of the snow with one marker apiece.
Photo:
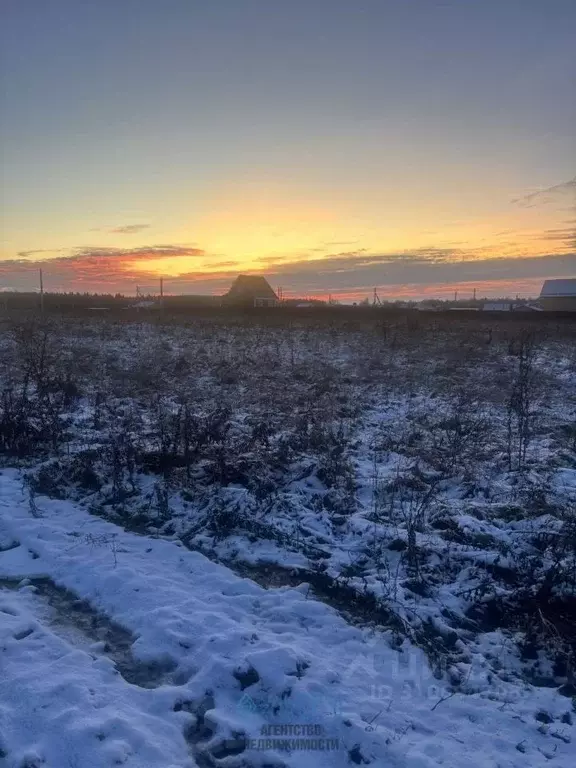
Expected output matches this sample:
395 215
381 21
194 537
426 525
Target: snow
234 658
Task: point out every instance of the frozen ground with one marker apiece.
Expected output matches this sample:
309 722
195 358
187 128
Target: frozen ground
123 649
211 527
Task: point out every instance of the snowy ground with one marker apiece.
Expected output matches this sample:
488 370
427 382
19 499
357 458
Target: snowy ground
122 649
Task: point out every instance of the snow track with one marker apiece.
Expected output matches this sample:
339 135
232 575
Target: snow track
78 623
118 649
63 707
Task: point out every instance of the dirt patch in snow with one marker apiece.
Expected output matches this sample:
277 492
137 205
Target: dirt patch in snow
79 622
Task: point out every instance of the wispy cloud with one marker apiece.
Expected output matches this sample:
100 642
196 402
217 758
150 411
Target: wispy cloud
548 195
564 236
96 268
34 253
122 229
417 268
209 264
128 229
348 273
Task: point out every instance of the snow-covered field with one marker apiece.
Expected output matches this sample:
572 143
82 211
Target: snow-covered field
258 546
228 659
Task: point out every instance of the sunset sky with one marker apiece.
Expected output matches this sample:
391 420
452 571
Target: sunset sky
420 146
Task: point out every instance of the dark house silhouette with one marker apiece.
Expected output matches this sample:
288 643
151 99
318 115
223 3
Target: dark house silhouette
250 291
559 295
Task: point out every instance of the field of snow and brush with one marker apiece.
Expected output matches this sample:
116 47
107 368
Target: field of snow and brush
259 542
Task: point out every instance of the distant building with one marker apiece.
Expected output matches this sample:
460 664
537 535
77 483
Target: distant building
526 307
147 304
497 306
559 295
250 291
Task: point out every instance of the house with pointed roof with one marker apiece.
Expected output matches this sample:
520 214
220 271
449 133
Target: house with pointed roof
250 291
559 295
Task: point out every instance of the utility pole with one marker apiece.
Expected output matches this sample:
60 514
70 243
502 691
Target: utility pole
162 295
455 295
474 294
41 293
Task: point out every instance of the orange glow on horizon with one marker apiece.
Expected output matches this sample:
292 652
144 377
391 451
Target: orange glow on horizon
298 242
261 227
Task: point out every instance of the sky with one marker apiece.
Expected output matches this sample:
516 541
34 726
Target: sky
334 146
